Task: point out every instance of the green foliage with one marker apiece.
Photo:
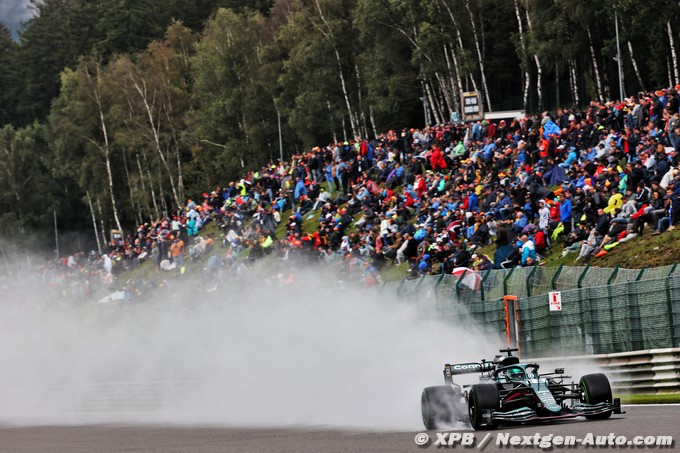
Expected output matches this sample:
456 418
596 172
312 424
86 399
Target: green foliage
234 121
8 76
28 191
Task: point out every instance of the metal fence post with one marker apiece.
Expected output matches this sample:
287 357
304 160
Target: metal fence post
584 319
639 276
579 285
505 280
553 284
528 282
610 303
484 279
634 314
436 287
460 280
669 304
613 276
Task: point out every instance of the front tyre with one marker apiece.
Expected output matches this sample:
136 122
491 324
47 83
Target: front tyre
437 405
482 398
595 389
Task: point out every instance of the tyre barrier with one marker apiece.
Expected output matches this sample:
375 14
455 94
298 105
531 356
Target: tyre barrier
648 371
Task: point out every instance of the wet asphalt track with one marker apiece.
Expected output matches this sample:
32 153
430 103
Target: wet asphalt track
639 420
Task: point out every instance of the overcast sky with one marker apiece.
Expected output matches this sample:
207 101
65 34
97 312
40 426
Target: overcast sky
13 13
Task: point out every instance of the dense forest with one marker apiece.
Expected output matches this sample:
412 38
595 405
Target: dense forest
116 111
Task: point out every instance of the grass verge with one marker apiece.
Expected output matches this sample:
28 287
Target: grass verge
652 398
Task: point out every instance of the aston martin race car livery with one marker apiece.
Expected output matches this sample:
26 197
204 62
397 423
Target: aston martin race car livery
509 391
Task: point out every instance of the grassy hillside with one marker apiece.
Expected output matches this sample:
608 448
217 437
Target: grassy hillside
646 251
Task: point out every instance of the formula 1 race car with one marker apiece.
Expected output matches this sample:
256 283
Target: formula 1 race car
509 391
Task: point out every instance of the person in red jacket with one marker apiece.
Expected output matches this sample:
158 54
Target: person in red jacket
437 159
419 186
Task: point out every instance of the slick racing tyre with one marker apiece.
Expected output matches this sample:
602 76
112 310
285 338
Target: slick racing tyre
438 406
483 397
596 389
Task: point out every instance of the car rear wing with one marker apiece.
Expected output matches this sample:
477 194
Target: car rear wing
467 368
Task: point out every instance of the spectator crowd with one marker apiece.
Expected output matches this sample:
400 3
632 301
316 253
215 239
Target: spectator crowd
588 178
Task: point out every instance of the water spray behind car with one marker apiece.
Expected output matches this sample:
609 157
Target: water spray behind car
250 353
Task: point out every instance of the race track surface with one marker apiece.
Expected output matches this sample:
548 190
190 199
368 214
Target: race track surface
638 421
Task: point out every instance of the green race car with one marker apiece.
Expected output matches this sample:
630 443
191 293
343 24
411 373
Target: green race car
509 391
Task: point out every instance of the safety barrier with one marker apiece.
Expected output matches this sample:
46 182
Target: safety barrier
480 286
649 371
604 311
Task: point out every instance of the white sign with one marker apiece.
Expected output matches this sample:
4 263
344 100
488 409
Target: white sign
555 300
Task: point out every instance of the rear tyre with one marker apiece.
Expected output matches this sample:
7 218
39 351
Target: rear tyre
482 397
438 406
596 389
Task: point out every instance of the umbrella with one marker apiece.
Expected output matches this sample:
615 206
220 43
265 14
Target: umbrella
471 279
118 295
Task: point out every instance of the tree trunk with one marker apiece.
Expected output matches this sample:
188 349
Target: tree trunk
106 150
134 202
635 66
158 208
674 56
458 87
101 222
330 115
539 70
572 88
557 87
178 157
344 128
363 126
596 69
155 128
153 193
94 223
328 34
350 111
572 67
436 115
523 45
426 107
445 94
375 130
460 46
539 86
164 203
479 55
668 68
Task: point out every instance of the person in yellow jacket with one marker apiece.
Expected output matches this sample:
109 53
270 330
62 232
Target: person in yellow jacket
615 202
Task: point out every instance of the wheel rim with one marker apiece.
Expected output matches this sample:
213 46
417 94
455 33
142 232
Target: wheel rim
585 393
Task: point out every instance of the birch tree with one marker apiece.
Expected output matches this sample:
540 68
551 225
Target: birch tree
539 69
479 54
523 53
80 123
326 30
674 56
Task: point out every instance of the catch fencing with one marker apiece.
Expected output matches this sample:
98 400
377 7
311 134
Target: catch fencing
603 310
